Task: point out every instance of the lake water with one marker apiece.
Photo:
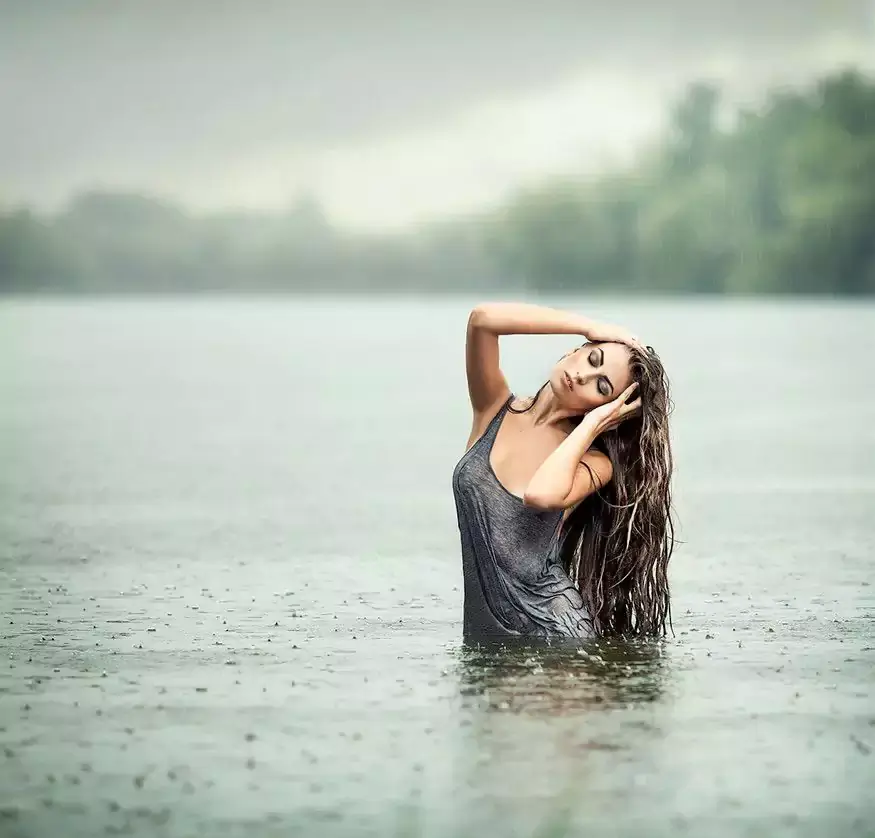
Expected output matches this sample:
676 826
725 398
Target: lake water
230 581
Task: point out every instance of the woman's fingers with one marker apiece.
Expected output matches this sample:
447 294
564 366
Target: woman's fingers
628 392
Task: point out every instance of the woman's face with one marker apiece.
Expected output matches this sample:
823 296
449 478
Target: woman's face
592 375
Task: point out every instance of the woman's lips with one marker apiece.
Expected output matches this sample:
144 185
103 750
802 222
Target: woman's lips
568 382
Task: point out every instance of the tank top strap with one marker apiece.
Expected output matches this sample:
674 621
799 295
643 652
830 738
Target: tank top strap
495 423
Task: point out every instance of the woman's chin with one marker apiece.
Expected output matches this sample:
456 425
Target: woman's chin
561 393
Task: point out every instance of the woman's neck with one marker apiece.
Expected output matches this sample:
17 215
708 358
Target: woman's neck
548 410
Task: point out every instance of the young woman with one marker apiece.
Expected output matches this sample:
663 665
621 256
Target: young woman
563 498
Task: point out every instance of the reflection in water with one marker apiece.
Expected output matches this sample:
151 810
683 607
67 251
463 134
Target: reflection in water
556 679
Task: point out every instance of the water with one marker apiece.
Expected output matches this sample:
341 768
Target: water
230 581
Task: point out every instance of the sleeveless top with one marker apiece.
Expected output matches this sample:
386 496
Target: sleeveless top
514 582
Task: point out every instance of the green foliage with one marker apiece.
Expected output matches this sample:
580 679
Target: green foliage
782 201
777 199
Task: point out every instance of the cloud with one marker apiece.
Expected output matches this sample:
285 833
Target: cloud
388 112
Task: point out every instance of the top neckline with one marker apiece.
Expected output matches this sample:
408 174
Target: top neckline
487 442
497 421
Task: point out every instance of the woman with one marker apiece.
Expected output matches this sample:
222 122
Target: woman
564 503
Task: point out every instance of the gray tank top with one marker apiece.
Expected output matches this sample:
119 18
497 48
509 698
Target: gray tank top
514 582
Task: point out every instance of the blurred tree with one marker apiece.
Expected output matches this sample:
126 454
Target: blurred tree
778 199
693 126
31 257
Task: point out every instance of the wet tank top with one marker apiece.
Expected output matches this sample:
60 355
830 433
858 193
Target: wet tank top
514 583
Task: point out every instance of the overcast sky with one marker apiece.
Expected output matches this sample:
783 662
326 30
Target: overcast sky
390 112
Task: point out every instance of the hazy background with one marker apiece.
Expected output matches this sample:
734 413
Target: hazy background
230 578
566 145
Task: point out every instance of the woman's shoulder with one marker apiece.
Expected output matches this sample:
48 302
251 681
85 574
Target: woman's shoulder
482 419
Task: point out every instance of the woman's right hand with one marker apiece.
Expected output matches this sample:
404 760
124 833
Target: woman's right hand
612 333
609 416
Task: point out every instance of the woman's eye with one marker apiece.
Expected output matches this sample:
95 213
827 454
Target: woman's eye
603 387
593 360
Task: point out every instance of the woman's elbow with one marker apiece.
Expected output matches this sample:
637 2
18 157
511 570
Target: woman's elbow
482 315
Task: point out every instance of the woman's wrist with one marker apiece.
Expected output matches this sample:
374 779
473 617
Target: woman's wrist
586 431
587 326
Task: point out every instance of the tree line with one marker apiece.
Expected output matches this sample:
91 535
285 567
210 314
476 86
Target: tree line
774 199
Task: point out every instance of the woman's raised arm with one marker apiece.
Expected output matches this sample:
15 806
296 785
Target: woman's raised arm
487 386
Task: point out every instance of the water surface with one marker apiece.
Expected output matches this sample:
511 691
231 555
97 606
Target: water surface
231 590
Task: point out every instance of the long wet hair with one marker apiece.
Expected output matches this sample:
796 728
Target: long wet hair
617 542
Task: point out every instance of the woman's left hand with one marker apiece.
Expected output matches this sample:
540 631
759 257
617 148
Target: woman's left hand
610 415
